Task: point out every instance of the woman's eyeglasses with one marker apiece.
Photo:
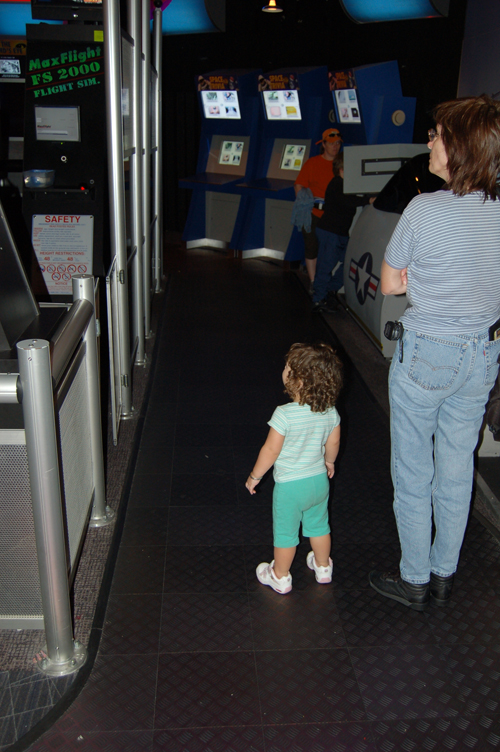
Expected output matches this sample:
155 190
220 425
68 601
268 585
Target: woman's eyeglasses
432 134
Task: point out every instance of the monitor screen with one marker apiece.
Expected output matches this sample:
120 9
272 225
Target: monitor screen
282 105
57 123
347 105
230 152
221 105
292 157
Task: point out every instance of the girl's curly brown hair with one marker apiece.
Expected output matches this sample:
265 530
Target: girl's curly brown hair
315 376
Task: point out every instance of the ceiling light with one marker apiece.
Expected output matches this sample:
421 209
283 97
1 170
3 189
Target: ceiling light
272 7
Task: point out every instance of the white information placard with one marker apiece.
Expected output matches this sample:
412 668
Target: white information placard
347 105
63 245
282 105
293 156
221 105
230 152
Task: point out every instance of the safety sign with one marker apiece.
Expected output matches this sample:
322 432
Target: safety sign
63 244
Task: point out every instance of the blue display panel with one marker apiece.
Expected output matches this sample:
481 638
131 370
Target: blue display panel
14 17
178 17
186 17
369 11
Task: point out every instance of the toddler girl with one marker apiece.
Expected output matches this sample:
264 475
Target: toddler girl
302 444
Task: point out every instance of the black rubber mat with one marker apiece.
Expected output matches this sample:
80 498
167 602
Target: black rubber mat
196 655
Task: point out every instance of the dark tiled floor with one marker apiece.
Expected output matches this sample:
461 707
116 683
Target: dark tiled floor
196 655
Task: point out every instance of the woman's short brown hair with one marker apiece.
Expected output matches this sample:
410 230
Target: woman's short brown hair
470 129
315 376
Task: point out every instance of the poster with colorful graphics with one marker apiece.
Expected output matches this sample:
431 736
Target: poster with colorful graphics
217 82
345 95
278 81
221 105
63 245
12 58
347 105
292 157
282 105
231 152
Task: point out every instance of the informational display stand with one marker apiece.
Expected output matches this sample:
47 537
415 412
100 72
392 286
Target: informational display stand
369 105
230 110
297 107
65 137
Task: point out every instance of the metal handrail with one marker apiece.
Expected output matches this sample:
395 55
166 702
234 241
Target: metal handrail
41 365
67 335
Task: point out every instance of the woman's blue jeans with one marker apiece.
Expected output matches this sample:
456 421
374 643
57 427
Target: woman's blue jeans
437 396
331 251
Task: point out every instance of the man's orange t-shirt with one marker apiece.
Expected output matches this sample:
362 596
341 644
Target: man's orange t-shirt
315 174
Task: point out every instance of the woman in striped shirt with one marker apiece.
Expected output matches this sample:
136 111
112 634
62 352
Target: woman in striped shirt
445 255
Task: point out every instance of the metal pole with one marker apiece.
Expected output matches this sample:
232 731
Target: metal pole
112 56
83 289
64 656
158 42
135 20
146 167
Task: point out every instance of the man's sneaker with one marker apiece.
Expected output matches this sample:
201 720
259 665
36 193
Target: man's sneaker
392 586
323 574
265 575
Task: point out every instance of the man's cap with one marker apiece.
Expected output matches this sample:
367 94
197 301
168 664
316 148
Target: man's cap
331 135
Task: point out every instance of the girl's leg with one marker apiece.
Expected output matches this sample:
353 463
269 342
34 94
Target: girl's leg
321 546
283 558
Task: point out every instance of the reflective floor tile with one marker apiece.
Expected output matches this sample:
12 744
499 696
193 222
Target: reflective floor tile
205 622
208 689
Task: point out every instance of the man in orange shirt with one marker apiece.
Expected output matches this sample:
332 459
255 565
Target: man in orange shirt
316 174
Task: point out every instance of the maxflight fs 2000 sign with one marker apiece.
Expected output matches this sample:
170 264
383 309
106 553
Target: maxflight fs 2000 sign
67 71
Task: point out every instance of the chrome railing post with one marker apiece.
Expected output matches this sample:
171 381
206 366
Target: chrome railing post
112 53
83 289
158 49
146 166
134 28
63 654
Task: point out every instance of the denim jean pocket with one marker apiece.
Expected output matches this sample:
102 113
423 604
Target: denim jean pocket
435 362
491 355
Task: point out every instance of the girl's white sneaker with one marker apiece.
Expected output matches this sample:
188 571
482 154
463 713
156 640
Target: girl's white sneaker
265 575
323 574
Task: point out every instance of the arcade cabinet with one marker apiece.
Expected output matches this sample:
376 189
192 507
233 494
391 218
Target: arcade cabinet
229 107
370 106
65 184
297 107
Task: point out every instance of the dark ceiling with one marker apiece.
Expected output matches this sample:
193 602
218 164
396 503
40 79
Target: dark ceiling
318 32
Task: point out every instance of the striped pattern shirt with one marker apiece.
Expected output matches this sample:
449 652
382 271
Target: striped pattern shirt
451 246
305 432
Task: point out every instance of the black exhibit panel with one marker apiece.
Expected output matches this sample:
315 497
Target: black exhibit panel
196 655
65 134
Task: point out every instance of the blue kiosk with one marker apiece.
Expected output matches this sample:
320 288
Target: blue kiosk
367 105
370 106
297 107
230 109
